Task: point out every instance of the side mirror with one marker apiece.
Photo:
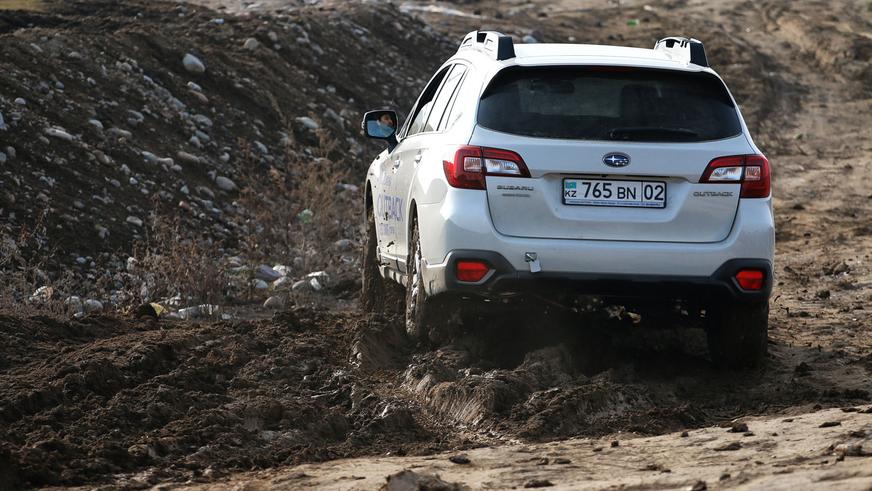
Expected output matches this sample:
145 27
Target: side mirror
381 125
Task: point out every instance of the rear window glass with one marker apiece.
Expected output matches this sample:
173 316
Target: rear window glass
609 103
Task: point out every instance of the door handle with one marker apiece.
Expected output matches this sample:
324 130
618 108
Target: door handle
418 157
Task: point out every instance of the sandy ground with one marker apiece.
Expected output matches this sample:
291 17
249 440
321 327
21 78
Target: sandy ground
821 449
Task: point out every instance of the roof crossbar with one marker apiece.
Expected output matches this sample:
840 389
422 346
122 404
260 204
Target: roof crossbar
492 43
689 50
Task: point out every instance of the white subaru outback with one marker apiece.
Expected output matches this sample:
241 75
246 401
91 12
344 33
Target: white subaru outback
556 170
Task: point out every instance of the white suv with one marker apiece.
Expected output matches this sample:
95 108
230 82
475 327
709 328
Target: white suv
555 170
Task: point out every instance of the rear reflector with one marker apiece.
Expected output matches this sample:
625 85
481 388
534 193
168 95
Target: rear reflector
470 165
750 279
752 171
471 271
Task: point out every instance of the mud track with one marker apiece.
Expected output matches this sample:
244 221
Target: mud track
133 404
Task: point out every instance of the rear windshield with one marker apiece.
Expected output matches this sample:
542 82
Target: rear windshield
609 103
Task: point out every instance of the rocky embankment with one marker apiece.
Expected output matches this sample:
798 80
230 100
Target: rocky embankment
144 142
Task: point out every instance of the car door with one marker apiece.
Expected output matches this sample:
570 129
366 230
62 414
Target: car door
423 134
402 159
380 180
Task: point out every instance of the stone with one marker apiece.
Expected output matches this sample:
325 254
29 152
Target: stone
193 64
135 118
92 306
283 283
738 427
2 158
119 133
225 184
96 124
259 284
274 302
149 157
266 273
307 122
850 449
409 480
134 221
343 244
251 44
20 101
3 126
188 158
74 304
202 120
300 285
58 133
10 151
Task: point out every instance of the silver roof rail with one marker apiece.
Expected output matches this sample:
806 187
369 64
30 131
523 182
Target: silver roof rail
492 43
688 50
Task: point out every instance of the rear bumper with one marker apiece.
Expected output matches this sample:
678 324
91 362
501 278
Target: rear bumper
462 224
504 280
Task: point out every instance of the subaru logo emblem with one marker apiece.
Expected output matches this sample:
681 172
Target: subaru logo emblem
616 159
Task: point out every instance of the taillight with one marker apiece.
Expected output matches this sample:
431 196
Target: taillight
471 164
750 279
756 183
471 271
751 171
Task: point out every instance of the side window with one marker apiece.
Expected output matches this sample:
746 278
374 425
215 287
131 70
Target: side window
456 106
445 95
425 102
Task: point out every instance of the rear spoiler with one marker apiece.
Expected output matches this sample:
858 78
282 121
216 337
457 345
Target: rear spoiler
688 50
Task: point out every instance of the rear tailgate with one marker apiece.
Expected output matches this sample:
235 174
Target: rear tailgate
534 207
595 138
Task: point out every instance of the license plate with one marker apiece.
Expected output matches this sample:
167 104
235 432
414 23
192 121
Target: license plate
602 192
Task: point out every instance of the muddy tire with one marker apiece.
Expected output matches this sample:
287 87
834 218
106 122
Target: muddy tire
376 294
420 311
737 335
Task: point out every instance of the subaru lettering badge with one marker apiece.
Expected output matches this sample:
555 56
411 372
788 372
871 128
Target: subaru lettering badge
616 159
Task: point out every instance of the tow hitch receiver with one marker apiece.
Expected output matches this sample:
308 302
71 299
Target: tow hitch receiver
533 260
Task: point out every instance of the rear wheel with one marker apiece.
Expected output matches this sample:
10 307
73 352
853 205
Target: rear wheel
420 312
737 334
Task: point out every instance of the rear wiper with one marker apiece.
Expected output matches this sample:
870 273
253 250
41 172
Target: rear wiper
648 133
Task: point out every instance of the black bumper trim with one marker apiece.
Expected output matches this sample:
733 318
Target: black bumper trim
505 280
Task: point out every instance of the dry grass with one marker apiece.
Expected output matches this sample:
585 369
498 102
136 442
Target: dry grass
173 263
24 256
294 208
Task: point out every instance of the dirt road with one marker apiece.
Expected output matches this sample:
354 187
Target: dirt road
783 453
134 404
